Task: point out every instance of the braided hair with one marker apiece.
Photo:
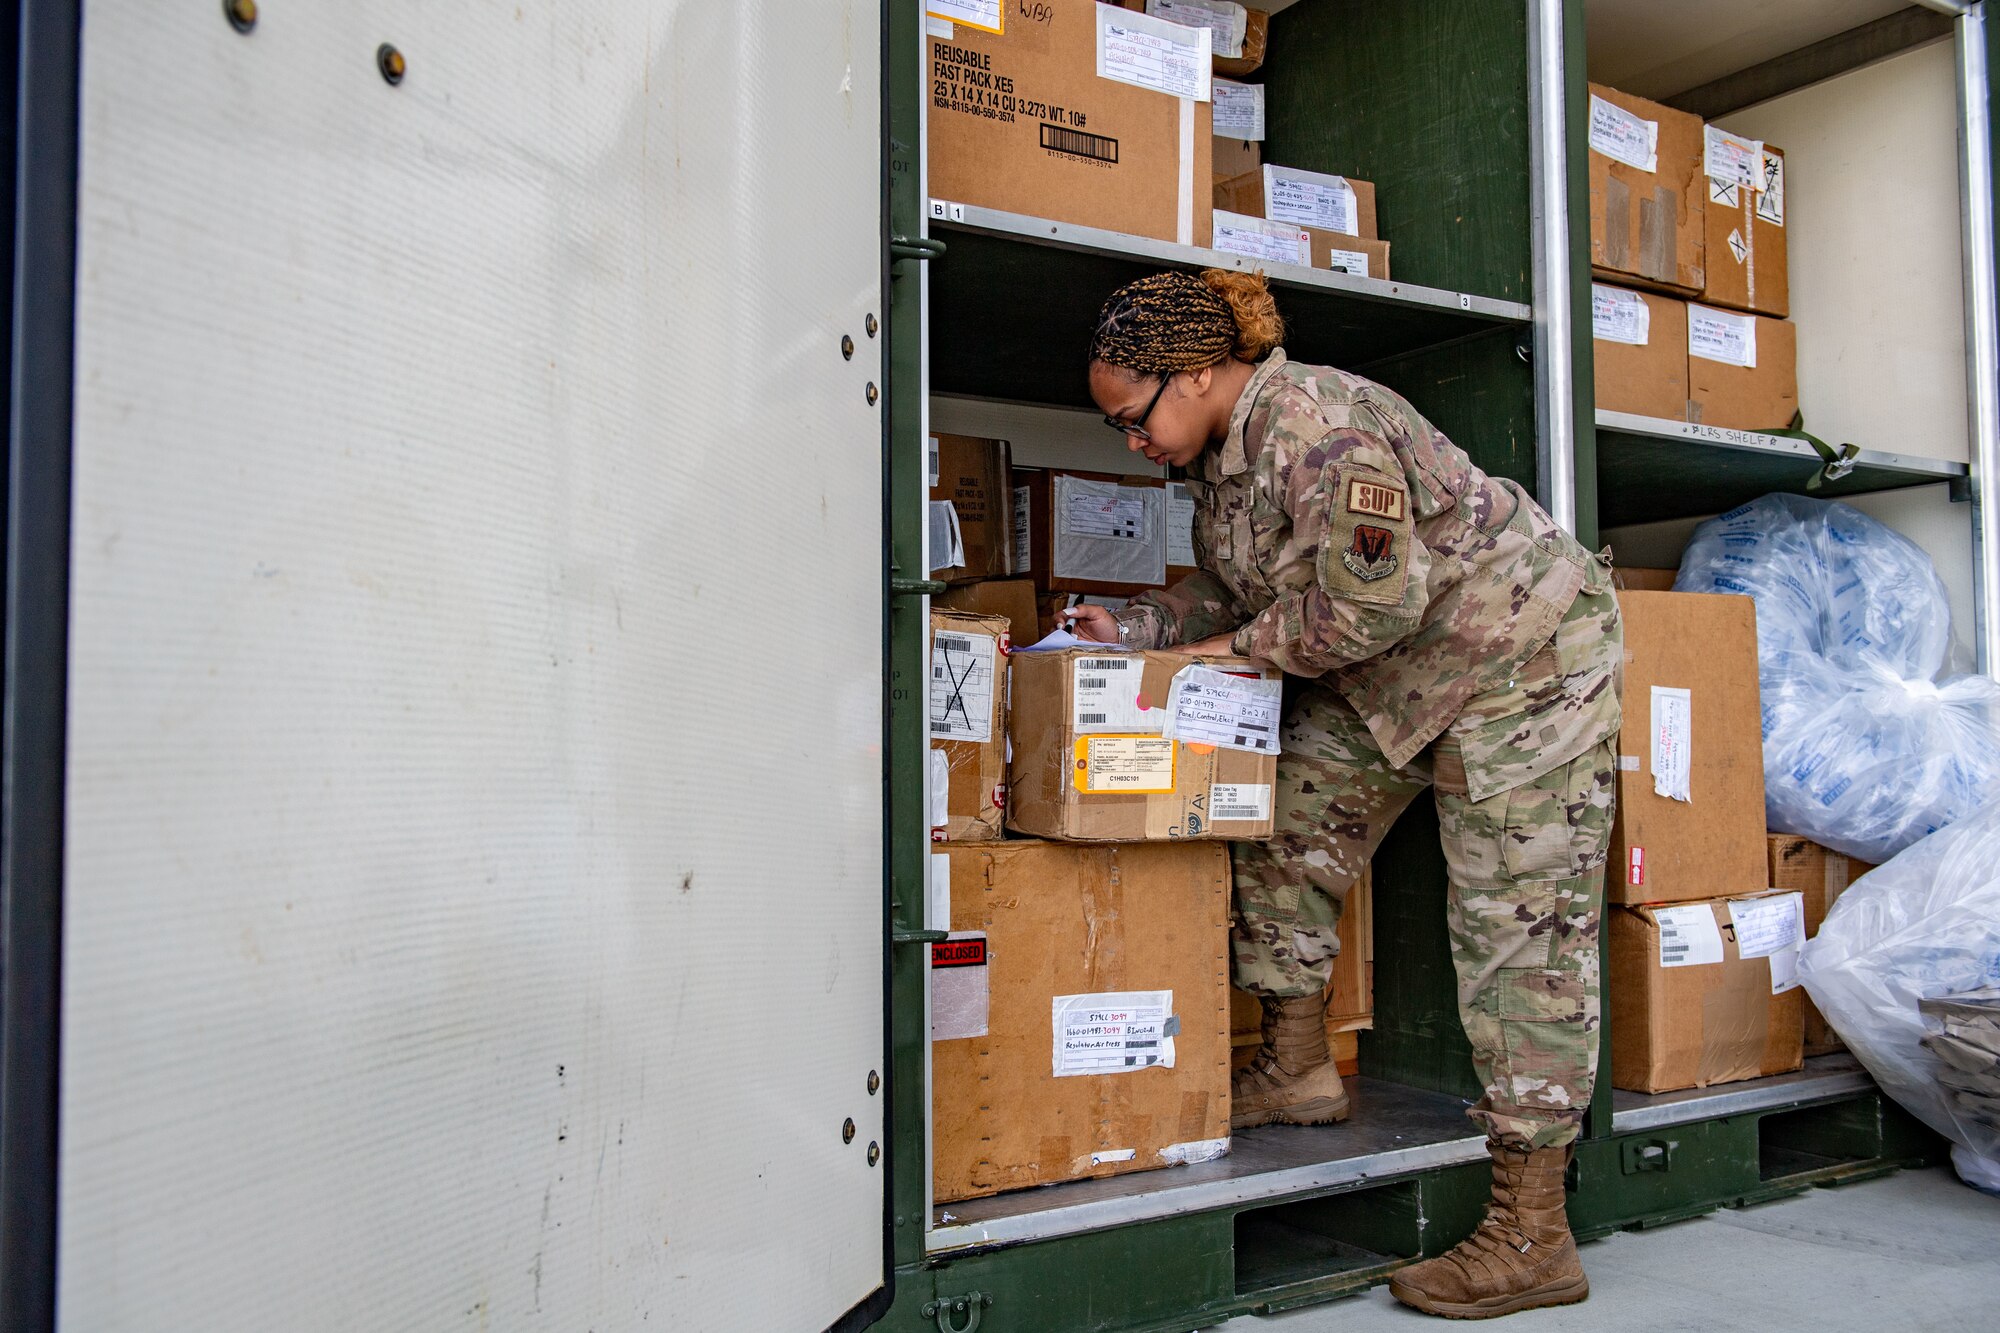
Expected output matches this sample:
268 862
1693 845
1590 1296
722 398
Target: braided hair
1175 321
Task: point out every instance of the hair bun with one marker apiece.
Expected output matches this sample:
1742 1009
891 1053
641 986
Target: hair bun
1259 328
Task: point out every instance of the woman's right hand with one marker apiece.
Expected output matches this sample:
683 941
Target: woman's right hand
1094 623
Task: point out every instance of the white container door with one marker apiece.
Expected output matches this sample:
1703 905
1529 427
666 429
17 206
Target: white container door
473 905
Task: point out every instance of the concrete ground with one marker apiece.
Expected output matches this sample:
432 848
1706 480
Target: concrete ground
1912 1251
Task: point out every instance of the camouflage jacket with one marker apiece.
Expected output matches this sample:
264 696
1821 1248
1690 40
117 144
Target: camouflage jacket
1344 537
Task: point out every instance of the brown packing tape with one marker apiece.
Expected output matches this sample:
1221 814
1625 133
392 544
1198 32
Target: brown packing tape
1734 1018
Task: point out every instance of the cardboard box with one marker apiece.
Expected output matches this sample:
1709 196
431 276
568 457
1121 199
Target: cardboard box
975 478
1683 1023
1021 121
1630 579
1233 157
1013 600
1090 763
1639 348
1256 41
1819 875
1358 255
1034 922
1722 391
1744 255
1647 226
1711 845
1303 198
1093 532
1350 994
968 712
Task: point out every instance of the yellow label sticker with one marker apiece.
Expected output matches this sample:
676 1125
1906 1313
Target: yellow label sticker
1374 498
1124 765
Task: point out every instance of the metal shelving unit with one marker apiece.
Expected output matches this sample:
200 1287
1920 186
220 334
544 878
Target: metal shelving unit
1651 469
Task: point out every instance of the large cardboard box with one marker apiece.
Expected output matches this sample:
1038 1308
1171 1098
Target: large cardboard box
975 478
1691 988
1639 347
1647 193
1634 578
1233 157
1744 258
1742 369
1359 255
1094 532
968 712
1091 762
1819 875
1011 599
1350 994
1021 121
1049 1057
1303 198
1691 707
1308 247
1256 41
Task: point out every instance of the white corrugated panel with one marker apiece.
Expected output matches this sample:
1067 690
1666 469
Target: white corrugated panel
474 873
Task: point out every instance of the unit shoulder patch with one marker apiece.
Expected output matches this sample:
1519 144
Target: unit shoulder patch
1371 553
1377 499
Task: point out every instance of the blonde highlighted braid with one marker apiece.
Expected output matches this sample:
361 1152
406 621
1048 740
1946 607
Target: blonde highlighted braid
1170 322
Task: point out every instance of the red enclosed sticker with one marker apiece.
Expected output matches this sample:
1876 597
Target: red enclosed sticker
959 953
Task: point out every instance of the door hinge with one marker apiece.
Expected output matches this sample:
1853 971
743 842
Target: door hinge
914 247
947 1309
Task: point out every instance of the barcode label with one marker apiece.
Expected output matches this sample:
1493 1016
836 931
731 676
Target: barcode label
1239 800
1689 936
1096 147
1090 719
1234 812
1102 664
1105 696
954 643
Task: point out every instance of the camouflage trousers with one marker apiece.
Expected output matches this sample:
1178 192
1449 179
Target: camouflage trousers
1525 872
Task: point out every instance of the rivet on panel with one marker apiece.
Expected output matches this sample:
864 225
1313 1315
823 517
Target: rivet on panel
872 326
847 1130
874 1082
873 393
242 14
874 1153
847 347
390 61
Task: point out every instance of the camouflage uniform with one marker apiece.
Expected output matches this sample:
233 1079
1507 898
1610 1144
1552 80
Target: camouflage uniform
1450 635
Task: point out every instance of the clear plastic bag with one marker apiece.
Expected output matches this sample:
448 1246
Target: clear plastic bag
1865 751
1906 967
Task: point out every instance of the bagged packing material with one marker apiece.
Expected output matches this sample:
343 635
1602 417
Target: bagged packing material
1647 193
1744 257
1906 967
1866 749
1080 1013
968 725
1704 992
1639 351
1742 370
1114 746
972 479
1084 113
1689 823
1819 875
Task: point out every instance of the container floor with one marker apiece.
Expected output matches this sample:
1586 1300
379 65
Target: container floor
1915 1250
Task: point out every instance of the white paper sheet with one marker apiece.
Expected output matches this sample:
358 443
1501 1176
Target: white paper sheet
1311 199
1108 531
940 788
1622 136
1774 928
1105 695
1111 1033
947 540
987 14
1260 238
940 897
1731 157
1210 707
1239 109
1673 740
1348 261
1771 198
1225 20
1152 53
1689 936
961 987
1180 525
1722 335
1619 316
1239 800
962 679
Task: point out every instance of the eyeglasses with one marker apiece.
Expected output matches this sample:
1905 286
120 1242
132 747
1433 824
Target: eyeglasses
1137 429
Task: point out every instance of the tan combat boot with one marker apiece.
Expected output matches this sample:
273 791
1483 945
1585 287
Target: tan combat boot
1291 1080
1522 1256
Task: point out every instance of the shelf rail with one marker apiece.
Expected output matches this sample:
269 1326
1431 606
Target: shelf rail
1982 322
1548 172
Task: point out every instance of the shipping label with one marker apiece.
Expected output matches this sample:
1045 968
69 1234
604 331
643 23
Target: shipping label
947 539
1259 238
1210 707
1023 555
1349 261
1773 928
962 680
1180 524
1225 20
1622 136
985 15
1152 53
1124 765
1115 511
1673 740
1722 335
961 989
1307 200
1104 696
1239 109
1731 157
1688 935
1239 800
1771 195
940 788
1619 316
1112 1033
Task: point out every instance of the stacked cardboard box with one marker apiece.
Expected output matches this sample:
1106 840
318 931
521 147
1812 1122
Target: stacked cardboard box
1702 975
1819 876
1080 1013
1304 217
971 528
1687 234
968 725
